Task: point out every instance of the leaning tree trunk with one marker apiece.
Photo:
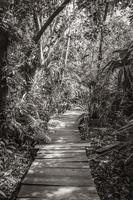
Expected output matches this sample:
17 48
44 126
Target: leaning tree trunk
3 82
27 70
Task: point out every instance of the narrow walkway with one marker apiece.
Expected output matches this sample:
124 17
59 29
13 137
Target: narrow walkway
60 170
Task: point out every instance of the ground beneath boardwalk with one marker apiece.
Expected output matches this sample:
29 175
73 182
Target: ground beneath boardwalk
110 161
60 170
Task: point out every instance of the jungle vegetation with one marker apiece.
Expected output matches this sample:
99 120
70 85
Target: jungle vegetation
57 54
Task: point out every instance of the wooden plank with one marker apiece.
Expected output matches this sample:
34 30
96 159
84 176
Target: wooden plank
42 147
76 155
65 132
66 151
57 180
58 147
59 159
83 198
61 170
63 141
70 136
71 144
54 163
58 193
65 146
57 172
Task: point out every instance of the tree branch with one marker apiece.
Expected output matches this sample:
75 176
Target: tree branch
49 21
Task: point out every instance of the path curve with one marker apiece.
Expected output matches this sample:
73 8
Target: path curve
60 170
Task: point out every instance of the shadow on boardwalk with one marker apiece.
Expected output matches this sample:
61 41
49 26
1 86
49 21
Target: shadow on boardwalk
60 170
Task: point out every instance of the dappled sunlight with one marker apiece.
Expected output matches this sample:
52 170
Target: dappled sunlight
61 155
41 164
49 180
68 192
60 140
59 147
61 193
57 155
57 172
62 121
63 166
61 151
56 123
73 112
32 171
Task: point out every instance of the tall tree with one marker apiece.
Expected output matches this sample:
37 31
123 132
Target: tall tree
50 20
29 72
4 42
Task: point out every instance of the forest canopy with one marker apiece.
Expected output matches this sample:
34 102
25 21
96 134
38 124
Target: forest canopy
55 53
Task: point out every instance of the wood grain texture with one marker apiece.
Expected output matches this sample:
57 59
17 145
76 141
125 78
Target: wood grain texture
61 169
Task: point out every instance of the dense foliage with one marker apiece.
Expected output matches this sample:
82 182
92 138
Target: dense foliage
58 54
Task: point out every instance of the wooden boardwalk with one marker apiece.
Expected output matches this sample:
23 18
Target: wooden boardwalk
60 170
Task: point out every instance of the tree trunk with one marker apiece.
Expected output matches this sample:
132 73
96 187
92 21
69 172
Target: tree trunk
50 20
27 71
3 82
100 56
